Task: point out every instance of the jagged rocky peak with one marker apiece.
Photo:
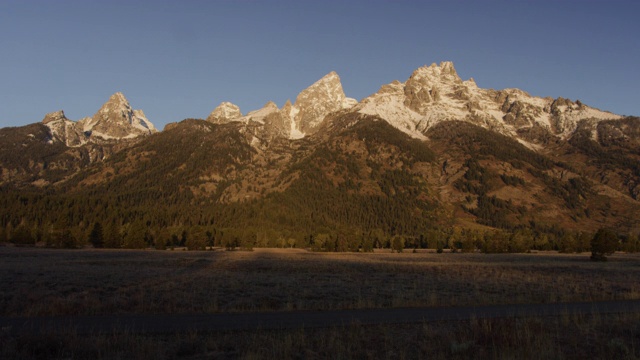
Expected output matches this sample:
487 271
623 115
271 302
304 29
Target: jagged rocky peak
224 113
64 130
287 107
436 93
270 105
277 122
434 72
426 84
116 110
54 116
317 101
258 116
117 120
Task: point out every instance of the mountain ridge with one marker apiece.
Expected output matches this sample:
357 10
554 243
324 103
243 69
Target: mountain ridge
115 120
433 154
431 94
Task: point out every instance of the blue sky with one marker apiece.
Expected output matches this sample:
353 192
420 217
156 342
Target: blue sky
180 59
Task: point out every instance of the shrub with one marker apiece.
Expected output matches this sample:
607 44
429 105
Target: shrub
397 243
22 236
604 243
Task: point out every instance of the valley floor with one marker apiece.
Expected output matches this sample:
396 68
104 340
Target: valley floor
43 282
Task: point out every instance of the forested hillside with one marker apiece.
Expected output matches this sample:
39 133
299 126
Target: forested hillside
359 183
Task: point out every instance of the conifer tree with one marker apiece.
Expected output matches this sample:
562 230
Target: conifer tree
96 237
112 236
134 239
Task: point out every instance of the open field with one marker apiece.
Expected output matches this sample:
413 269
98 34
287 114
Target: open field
42 282
613 336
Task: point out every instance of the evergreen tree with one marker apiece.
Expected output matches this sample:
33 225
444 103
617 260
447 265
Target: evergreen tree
367 242
135 237
162 239
112 236
68 241
96 237
195 239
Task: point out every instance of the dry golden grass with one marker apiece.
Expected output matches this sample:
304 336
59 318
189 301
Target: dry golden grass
38 282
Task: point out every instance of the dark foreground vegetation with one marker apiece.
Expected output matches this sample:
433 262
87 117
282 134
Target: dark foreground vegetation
45 282
567 337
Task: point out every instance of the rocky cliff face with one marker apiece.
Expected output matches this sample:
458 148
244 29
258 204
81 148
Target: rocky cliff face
224 113
64 130
436 93
292 121
115 120
317 101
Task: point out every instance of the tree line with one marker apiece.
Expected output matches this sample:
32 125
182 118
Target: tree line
138 235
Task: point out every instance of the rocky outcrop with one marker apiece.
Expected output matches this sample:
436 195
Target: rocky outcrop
317 101
432 94
114 121
278 123
293 121
54 116
64 130
224 113
117 120
423 87
436 93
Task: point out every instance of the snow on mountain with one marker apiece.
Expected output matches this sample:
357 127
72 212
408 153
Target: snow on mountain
56 116
63 129
317 101
432 94
140 121
115 120
436 93
224 113
260 114
292 121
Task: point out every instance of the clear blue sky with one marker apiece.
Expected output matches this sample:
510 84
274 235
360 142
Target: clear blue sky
180 59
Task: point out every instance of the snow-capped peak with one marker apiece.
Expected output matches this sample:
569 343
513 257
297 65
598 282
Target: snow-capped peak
115 120
437 73
140 121
260 114
432 94
63 129
224 113
54 116
436 93
119 98
317 101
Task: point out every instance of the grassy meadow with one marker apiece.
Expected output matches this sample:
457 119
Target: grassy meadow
44 282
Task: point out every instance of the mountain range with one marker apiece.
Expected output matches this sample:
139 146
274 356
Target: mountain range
433 153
